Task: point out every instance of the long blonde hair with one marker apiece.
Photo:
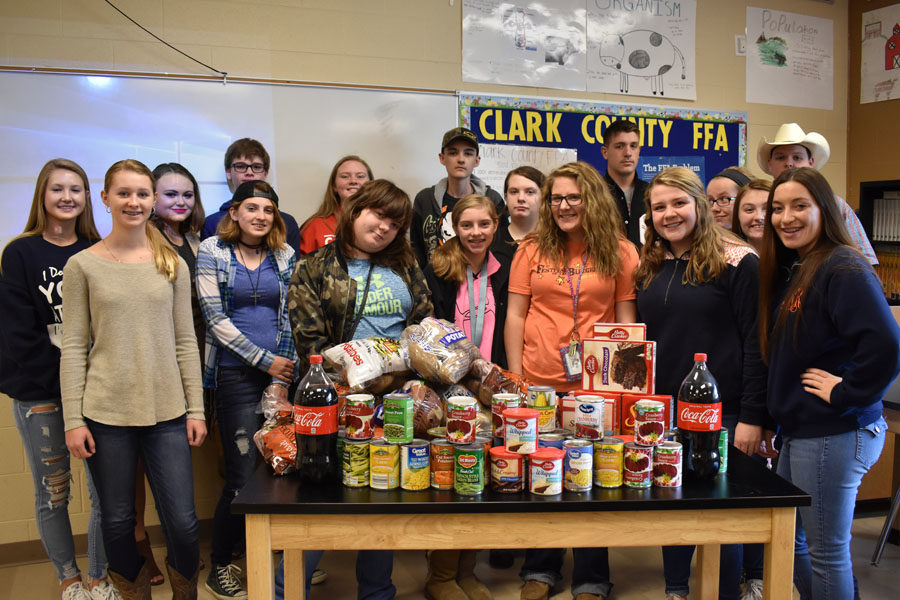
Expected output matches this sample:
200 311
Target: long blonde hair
331 202
165 257
601 221
707 254
449 260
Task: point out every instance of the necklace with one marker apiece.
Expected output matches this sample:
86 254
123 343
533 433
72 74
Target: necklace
256 247
108 249
253 286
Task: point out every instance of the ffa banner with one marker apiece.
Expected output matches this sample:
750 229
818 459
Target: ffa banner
703 141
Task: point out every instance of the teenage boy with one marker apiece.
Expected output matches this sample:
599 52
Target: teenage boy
433 206
247 160
622 149
792 149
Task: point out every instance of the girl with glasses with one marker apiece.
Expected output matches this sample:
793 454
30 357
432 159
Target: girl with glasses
722 190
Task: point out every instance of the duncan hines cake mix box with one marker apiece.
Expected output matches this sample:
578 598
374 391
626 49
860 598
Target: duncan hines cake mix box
619 366
620 332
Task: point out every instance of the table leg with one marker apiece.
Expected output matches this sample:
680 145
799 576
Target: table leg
294 575
707 580
778 564
260 570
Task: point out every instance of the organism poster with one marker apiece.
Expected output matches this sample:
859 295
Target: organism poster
790 59
642 48
540 44
880 55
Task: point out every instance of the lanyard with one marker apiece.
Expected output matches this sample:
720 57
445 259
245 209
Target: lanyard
362 306
574 292
477 324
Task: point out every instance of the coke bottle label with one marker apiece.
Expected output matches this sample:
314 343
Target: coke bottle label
699 417
316 420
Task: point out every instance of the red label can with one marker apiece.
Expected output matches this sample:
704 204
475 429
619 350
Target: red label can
667 465
649 422
638 465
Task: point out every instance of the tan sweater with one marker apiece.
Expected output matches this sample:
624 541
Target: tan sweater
129 353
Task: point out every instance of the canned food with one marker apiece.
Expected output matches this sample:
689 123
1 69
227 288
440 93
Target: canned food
398 418
462 413
667 465
488 442
384 465
638 465
342 435
546 472
437 432
507 473
499 403
521 429
442 457
358 411
723 451
468 471
608 458
415 468
589 417
540 396
579 463
546 418
649 422
355 461
551 440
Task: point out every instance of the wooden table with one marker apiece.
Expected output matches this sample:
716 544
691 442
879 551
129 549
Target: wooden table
747 505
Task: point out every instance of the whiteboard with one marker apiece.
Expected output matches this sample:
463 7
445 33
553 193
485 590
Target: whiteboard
96 121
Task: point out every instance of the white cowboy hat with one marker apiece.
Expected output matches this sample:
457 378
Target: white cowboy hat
788 135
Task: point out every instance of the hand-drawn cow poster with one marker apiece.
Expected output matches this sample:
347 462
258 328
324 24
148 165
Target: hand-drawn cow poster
642 47
880 56
523 42
790 59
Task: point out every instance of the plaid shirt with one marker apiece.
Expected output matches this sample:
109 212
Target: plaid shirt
216 268
856 231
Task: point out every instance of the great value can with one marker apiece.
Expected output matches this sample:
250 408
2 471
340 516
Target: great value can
398 418
358 412
468 469
462 413
667 465
608 458
442 457
649 422
540 396
521 429
355 460
638 465
589 417
546 472
551 440
415 465
507 473
579 465
384 465
499 403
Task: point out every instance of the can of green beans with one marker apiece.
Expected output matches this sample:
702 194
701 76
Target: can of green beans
468 469
356 463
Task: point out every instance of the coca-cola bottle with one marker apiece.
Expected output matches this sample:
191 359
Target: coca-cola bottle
316 425
699 421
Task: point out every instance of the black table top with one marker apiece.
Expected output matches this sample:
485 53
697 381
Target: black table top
748 484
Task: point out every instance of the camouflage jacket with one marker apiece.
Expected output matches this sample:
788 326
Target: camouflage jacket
322 301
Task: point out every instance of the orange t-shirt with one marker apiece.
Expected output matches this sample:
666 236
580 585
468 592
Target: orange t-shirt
317 233
548 322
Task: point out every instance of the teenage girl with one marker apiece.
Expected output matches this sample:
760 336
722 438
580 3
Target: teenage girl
722 190
749 218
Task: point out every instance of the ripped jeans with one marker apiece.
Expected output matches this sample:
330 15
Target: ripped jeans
238 392
40 423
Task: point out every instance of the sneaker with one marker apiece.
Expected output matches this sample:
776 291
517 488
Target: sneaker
76 591
224 582
753 590
319 576
535 590
105 591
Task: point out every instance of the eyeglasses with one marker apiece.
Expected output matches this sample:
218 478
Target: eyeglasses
571 199
242 167
724 201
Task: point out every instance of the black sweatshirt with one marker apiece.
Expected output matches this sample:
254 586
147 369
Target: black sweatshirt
719 318
31 309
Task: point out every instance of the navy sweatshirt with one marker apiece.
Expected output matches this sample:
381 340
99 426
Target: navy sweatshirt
846 329
31 322
718 317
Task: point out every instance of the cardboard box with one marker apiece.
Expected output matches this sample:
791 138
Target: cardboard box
620 332
626 417
626 367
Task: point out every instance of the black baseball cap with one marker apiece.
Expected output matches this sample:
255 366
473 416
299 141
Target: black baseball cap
249 189
459 133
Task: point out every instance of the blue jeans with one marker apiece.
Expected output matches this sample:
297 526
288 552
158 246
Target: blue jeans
373 574
829 469
238 391
590 569
167 462
40 423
